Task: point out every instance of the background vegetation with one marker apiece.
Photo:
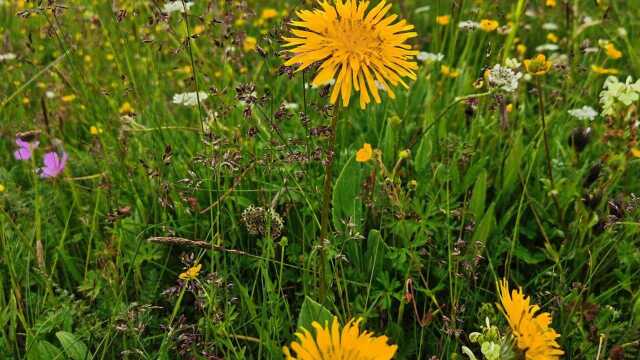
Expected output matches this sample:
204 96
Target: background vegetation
415 250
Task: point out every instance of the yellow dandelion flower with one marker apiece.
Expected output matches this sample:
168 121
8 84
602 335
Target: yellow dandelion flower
443 20
335 344
488 25
268 13
198 29
612 52
534 336
539 65
604 71
635 152
191 273
551 3
361 50
509 108
552 37
126 109
365 153
249 43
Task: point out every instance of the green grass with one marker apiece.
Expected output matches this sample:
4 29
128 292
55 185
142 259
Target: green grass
473 202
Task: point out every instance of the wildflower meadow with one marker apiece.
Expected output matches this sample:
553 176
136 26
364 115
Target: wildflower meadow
320 179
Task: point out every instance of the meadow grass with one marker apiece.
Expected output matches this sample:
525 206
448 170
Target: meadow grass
466 186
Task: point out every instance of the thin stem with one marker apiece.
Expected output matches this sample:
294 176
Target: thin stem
326 203
546 149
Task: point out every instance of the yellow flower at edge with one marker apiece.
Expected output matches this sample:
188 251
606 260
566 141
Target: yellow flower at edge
551 3
191 273
365 153
612 52
126 109
268 13
2 188
531 328
539 65
604 71
249 43
362 50
488 25
449 72
634 151
332 343
443 20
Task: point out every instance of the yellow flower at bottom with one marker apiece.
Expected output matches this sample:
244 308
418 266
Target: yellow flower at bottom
361 50
539 65
488 25
191 272
364 154
335 344
534 336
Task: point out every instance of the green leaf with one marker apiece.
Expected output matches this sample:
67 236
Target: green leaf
423 153
486 226
512 165
73 347
346 199
312 311
44 350
479 196
527 255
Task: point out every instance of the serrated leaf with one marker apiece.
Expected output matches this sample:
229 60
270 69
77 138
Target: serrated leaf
313 311
73 347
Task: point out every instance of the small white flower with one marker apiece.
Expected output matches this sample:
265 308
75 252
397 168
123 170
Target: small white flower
547 47
7 56
291 106
428 57
616 93
550 26
591 50
50 94
468 25
584 113
173 6
504 78
622 32
190 98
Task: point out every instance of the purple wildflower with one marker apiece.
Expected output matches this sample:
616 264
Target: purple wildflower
25 149
53 164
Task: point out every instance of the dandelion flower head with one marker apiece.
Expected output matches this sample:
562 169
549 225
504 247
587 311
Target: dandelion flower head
355 46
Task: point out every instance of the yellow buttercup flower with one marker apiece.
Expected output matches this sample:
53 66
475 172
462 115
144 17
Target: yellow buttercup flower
612 52
126 109
534 336
268 13
604 71
335 344
191 273
443 20
539 65
68 98
449 71
95 130
249 43
552 37
365 153
488 25
551 3
634 151
521 49
362 51
2 188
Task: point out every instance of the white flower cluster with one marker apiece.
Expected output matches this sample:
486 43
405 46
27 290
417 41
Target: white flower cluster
618 93
7 56
190 98
584 113
429 58
504 78
173 6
